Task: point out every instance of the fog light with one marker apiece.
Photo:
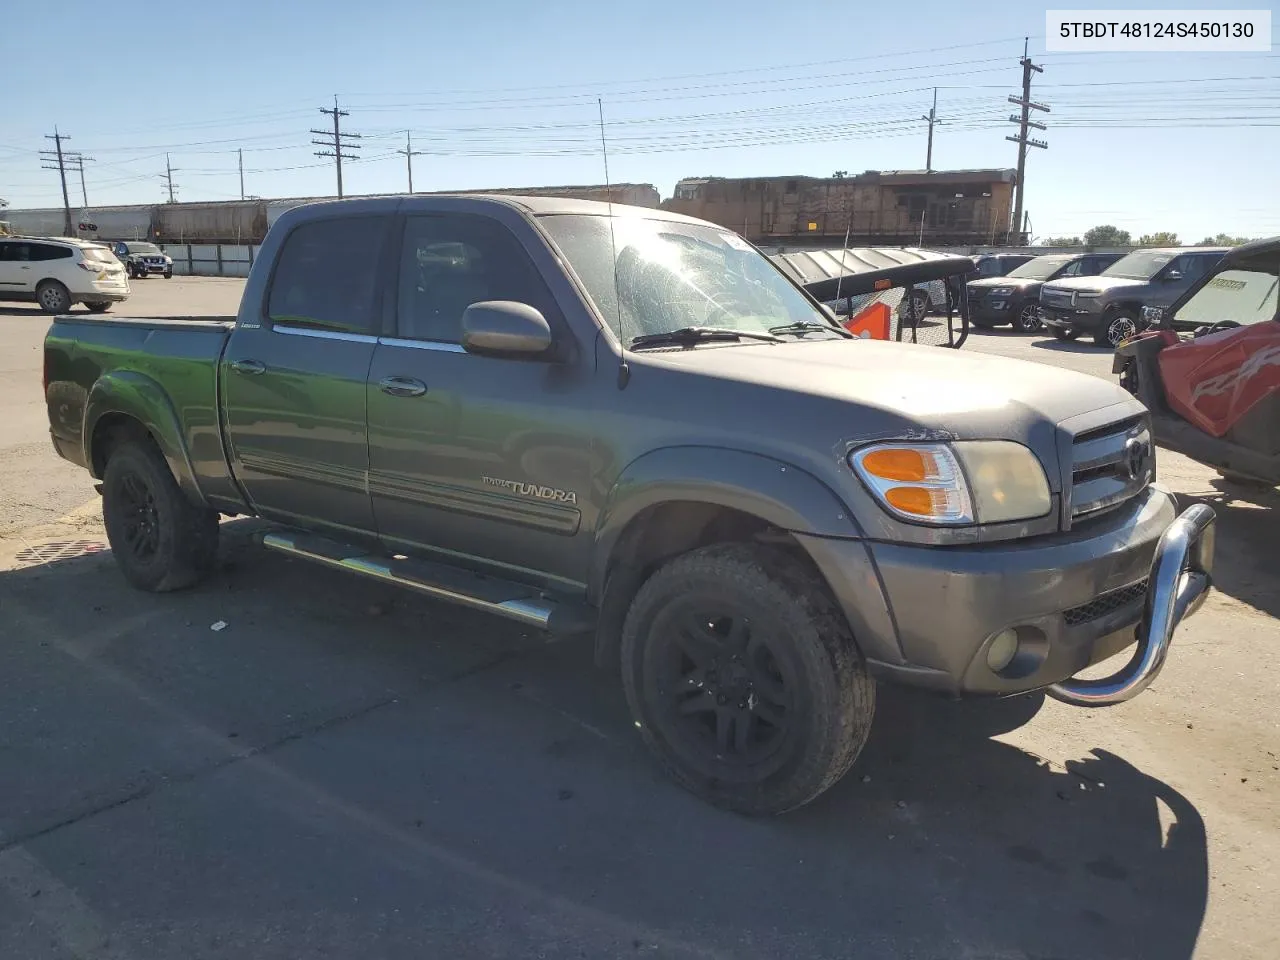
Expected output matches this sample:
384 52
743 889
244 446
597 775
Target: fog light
1002 649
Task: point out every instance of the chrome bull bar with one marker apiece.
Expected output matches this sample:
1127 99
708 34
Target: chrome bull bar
1181 574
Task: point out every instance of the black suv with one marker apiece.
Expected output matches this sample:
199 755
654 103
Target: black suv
1015 297
141 259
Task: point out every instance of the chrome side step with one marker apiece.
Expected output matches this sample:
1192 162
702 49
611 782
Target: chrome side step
502 597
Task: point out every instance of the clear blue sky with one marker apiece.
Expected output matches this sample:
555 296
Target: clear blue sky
499 95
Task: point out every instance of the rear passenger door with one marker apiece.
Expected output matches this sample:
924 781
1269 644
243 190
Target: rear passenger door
294 386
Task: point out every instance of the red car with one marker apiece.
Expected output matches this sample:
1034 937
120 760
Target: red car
1214 394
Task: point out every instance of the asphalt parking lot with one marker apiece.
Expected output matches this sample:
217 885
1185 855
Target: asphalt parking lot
344 769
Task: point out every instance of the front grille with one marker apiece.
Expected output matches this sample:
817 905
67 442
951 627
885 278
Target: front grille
1055 298
1107 603
1110 465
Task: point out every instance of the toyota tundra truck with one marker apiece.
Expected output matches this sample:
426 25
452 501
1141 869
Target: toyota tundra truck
599 419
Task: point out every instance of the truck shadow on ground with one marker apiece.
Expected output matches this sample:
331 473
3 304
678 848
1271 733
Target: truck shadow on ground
428 747
1248 531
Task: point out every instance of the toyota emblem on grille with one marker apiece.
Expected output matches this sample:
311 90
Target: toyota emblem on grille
1135 457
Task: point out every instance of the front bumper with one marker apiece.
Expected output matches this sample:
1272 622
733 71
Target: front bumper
992 312
151 267
1072 319
926 616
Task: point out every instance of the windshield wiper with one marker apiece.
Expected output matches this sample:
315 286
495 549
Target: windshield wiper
806 326
688 336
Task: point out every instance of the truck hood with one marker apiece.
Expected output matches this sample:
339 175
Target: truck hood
990 283
1098 284
966 395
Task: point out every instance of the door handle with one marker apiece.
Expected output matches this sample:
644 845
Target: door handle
402 386
250 367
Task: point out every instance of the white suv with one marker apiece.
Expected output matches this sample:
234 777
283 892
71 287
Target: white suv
57 272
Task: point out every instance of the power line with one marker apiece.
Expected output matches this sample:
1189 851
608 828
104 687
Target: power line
61 167
337 141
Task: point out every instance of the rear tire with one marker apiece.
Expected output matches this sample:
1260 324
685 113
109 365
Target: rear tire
161 540
53 297
101 306
744 680
131 273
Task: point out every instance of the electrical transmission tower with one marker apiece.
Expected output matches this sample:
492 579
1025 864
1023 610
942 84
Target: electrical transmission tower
1023 141
335 141
409 153
76 161
169 171
931 118
55 159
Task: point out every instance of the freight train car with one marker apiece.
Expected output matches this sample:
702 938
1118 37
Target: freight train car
236 221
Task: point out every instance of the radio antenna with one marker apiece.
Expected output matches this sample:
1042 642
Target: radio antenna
624 370
843 252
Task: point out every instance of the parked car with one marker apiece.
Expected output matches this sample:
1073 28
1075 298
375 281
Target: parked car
629 422
1214 395
142 259
1109 306
59 272
1015 297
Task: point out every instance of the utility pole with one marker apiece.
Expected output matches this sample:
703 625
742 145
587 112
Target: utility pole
49 156
240 155
168 176
335 141
1022 140
76 162
409 154
931 118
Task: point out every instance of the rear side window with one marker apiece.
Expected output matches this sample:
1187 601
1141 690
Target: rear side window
327 275
47 251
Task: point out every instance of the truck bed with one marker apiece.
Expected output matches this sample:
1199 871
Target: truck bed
161 371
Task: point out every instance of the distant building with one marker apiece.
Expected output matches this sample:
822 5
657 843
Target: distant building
892 207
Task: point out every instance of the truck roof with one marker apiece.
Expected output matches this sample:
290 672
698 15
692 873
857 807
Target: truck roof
535 205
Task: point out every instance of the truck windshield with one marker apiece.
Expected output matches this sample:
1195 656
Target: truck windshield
1242 296
664 276
145 248
1041 268
1139 265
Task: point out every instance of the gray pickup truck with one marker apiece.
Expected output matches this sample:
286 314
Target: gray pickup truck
630 423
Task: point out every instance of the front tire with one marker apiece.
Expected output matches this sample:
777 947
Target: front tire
744 680
1028 319
161 540
1116 326
168 274
53 297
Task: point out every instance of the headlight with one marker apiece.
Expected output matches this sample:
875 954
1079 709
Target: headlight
1002 291
971 481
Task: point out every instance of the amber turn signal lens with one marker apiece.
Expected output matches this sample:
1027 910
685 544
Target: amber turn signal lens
919 501
900 463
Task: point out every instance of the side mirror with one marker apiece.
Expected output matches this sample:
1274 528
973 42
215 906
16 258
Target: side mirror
505 329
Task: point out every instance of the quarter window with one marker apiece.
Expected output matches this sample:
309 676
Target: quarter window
327 274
